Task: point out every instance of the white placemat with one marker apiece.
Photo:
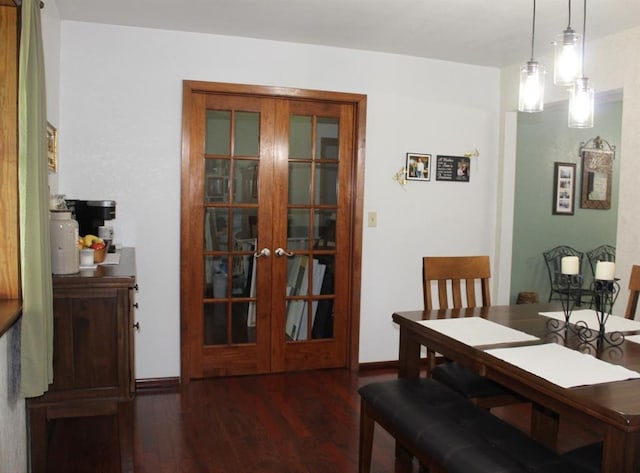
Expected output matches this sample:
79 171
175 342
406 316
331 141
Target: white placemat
562 366
614 323
633 338
477 331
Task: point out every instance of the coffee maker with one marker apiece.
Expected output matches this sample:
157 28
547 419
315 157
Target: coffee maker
91 214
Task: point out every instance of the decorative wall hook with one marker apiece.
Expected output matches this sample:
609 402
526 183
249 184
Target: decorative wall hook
401 177
598 144
472 154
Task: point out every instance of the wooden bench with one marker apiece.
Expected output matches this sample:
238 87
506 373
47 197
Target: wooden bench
448 433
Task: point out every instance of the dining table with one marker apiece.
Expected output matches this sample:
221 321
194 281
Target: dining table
594 383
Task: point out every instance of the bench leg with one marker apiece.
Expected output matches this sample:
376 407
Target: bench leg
367 425
544 426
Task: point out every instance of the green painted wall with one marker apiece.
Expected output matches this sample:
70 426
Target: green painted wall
544 138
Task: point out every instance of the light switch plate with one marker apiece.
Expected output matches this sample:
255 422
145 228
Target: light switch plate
372 219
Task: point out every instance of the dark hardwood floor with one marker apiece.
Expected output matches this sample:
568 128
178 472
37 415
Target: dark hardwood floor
304 422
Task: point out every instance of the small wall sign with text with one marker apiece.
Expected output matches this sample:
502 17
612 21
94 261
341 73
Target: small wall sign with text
453 168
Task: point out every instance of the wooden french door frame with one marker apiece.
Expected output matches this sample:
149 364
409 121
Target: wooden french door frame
358 102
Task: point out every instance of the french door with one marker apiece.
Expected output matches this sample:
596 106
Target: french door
271 212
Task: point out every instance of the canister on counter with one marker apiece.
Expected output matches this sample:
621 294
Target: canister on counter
64 243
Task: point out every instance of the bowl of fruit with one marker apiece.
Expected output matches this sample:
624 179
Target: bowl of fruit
97 244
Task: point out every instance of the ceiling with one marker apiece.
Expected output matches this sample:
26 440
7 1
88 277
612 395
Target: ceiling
483 32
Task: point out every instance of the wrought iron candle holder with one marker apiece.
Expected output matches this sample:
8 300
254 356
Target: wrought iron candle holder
605 293
570 288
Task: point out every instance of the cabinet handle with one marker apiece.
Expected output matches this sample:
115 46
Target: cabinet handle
135 304
137 326
283 252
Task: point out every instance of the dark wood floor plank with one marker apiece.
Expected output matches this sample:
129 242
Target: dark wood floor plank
305 422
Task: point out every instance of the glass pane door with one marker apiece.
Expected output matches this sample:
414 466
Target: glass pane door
230 232
266 231
311 222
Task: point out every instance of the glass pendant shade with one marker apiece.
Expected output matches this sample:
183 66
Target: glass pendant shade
531 97
567 61
581 104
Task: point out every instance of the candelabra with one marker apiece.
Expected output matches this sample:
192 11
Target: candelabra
605 293
570 286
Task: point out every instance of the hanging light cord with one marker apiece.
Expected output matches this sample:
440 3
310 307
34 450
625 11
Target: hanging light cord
584 34
569 25
533 29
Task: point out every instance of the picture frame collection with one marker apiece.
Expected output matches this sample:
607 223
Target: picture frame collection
596 175
418 167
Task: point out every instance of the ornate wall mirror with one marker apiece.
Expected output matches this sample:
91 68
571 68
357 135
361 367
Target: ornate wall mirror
597 167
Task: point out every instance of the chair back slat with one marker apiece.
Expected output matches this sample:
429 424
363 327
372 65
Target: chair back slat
471 293
634 291
456 278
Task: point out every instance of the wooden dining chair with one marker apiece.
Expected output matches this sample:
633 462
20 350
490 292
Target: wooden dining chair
461 282
456 278
634 291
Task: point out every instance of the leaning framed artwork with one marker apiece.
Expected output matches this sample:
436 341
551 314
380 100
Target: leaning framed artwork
52 147
597 167
215 189
564 188
418 167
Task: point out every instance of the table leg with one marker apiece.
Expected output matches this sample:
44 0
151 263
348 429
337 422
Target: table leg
408 356
620 452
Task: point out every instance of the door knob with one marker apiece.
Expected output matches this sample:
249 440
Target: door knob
283 252
263 252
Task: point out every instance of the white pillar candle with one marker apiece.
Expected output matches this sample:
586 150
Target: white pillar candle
605 270
570 265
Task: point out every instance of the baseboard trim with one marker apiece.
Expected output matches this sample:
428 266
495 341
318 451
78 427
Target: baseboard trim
378 365
392 364
157 385
172 384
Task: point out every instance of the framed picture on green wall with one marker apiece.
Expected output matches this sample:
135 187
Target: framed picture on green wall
564 188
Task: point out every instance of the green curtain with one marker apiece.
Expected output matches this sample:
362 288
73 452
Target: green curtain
36 354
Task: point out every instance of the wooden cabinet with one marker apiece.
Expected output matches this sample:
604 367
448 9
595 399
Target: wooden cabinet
92 354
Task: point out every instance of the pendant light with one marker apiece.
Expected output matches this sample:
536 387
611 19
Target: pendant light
567 63
531 97
582 98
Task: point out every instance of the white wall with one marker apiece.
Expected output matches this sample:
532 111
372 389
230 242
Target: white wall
50 19
612 65
120 131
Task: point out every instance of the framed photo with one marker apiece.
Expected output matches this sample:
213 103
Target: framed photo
418 167
564 188
597 167
52 147
453 168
